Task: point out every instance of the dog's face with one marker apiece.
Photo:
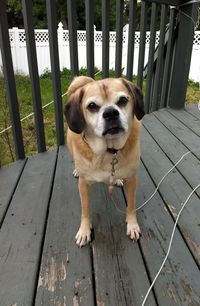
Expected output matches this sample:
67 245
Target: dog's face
105 108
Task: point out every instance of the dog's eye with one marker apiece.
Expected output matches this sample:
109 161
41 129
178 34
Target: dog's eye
92 107
122 101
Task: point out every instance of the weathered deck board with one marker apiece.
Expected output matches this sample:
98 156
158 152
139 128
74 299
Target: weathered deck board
66 270
9 177
180 271
189 167
193 109
120 273
22 231
185 135
174 190
187 119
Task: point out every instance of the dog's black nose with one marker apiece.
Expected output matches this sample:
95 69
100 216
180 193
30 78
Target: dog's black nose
110 113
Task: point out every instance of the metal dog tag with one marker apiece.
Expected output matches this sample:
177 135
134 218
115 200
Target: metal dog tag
113 164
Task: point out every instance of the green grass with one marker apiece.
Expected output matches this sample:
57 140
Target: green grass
25 106
193 92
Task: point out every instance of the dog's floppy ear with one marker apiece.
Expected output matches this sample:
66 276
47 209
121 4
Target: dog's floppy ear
73 112
138 98
77 83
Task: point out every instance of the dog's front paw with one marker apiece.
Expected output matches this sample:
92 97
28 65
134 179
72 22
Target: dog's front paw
133 229
84 234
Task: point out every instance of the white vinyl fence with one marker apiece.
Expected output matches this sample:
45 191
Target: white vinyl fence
18 47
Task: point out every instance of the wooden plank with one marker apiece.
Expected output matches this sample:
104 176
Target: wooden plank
66 272
179 280
193 110
22 231
175 191
187 119
186 136
120 274
9 176
174 149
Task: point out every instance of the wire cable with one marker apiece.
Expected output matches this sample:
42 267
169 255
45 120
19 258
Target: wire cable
176 221
29 115
170 244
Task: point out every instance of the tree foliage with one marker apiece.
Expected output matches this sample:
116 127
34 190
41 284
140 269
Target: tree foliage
15 16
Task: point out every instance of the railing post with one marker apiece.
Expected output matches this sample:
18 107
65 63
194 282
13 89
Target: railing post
149 82
130 39
55 68
187 14
10 83
89 15
119 37
105 38
27 7
160 61
72 27
143 24
168 59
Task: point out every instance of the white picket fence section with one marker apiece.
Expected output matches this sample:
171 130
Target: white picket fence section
19 55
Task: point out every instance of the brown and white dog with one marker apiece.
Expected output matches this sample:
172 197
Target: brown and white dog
103 138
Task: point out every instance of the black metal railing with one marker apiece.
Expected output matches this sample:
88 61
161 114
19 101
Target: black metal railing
165 74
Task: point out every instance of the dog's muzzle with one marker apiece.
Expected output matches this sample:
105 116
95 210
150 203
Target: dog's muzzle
113 125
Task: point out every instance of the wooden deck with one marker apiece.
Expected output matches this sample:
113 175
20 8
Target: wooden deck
40 213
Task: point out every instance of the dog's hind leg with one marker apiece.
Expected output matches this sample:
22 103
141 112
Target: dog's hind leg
84 233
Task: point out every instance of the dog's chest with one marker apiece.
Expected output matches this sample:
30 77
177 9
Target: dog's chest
108 168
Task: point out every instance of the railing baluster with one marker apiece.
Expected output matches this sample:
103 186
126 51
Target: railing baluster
72 26
105 38
188 17
168 60
89 19
119 37
131 39
148 94
33 70
143 24
55 67
160 61
10 83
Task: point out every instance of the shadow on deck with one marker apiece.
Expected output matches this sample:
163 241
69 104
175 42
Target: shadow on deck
39 214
